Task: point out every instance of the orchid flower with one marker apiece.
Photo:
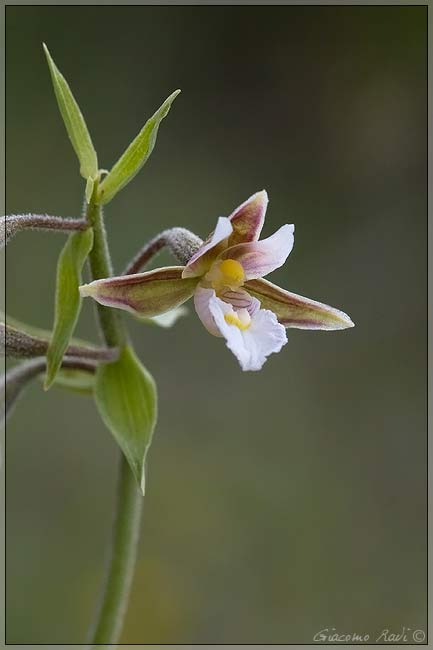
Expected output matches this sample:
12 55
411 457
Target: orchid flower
225 276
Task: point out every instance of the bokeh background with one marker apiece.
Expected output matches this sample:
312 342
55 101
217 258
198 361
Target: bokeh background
281 502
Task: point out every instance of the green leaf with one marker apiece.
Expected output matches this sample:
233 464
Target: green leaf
68 301
74 121
133 159
125 395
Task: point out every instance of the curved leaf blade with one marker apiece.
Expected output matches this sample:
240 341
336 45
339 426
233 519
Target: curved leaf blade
125 394
133 159
74 121
68 300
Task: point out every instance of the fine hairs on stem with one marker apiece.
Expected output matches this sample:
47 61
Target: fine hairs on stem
181 242
13 223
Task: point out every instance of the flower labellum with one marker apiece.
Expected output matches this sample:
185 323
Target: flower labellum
231 298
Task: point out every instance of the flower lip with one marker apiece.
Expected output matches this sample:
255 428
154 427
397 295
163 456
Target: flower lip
252 344
240 318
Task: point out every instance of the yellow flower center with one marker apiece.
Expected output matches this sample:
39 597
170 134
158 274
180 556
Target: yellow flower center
228 273
241 319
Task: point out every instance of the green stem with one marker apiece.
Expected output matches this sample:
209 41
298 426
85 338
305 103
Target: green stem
101 267
126 526
126 529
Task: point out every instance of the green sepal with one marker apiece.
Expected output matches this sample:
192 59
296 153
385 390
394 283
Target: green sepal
133 159
74 121
125 394
68 300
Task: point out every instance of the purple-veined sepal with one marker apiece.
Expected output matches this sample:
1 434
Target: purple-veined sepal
147 294
296 311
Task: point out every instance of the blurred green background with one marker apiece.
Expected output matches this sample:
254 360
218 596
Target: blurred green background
281 502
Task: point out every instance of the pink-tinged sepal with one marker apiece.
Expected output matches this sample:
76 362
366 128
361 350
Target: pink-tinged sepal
247 220
147 294
259 258
202 260
296 311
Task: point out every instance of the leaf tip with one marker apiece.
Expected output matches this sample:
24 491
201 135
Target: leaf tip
47 54
173 96
47 383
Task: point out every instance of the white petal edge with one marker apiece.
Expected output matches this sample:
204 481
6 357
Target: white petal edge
222 231
252 346
202 298
262 257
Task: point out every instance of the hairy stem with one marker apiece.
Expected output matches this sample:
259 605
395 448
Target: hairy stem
13 223
110 322
19 344
181 242
126 525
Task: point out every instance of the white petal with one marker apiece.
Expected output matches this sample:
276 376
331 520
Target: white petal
258 258
201 260
201 302
252 346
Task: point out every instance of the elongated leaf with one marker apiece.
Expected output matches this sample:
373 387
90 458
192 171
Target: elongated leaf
74 121
125 395
68 301
133 159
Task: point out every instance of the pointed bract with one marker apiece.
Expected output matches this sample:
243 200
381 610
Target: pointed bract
135 156
74 121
